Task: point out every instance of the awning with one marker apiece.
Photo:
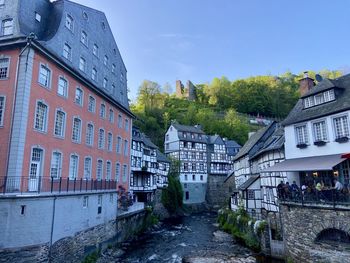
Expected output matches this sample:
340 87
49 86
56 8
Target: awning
317 163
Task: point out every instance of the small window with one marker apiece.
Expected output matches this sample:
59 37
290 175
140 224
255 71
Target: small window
119 142
56 165
67 51
187 195
69 22
7 27
120 121
94 74
23 209
92 104
111 116
126 124
82 64
41 117
76 130
105 83
73 166
103 111
87 168
103 25
117 172
110 142
125 173
193 177
2 110
108 170
320 131
302 135
79 96
85 15
37 16
84 38
4 68
101 139
126 148
85 201
105 60
99 170
95 50
251 194
62 89
341 127
44 76
113 68
60 122
89 140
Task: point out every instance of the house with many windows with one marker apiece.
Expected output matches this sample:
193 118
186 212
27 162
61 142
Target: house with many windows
317 157
65 122
188 145
163 164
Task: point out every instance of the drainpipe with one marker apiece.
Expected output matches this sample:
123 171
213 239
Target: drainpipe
29 42
52 225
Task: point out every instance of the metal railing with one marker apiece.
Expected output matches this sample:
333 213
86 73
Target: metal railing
22 185
328 197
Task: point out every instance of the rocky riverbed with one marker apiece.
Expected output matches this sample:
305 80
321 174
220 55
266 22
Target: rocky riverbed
192 239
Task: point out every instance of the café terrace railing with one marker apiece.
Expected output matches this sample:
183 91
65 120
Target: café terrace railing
329 197
36 185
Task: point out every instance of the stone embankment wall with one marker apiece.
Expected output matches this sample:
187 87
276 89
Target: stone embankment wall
303 224
218 194
76 247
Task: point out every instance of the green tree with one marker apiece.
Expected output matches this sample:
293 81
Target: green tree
172 196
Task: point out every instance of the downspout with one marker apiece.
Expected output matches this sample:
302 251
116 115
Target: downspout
29 40
52 226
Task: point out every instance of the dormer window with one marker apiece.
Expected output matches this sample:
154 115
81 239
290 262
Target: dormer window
319 98
69 22
7 27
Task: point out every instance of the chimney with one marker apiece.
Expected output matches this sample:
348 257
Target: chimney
198 126
306 84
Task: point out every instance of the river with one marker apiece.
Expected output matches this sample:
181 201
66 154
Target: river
194 239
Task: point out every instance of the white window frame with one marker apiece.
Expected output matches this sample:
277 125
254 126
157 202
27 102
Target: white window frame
63 128
110 141
76 131
57 166
45 82
117 171
67 51
101 138
111 116
108 170
126 148
4 68
44 119
94 74
79 100
2 109
304 133
7 29
344 129
69 23
64 88
320 133
99 170
92 104
125 173
82 64
95 50
73 174
119 144
87 168
103 110
105 83
89 138
84 38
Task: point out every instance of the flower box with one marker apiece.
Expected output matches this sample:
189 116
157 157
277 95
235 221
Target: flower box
342 139
301 145
320 143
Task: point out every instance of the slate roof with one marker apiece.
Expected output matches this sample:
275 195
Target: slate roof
187 128
232 143
161 157
341 103
324 85
248 183
252 141
212 139
138 136
274 142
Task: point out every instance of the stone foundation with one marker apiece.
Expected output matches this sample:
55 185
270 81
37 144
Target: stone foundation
218 194
303 224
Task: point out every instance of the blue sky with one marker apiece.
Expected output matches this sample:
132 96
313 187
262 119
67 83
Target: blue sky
165 40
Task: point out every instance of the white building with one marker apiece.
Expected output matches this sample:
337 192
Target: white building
188 144
162 170
217 156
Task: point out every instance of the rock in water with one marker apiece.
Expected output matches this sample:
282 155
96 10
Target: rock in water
220 236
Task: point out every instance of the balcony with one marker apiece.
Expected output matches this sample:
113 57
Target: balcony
330 198
21 185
